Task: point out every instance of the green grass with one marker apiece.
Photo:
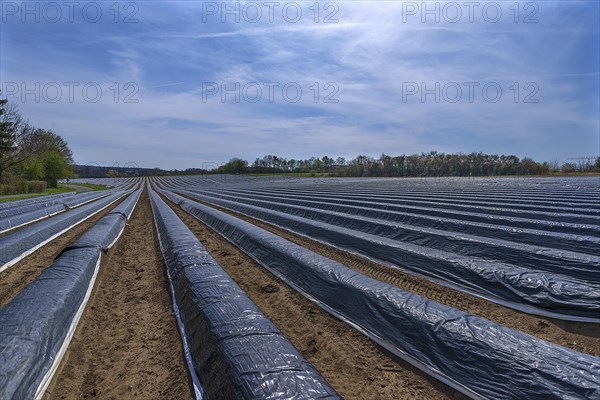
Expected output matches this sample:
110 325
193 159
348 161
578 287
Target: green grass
27 196
58 190
93 186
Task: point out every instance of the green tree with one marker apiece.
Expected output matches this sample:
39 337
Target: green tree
52 151
41 140
327 163
55 167
29 153
33 169
234 166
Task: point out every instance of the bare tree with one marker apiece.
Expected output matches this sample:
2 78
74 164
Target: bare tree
554 165
13 130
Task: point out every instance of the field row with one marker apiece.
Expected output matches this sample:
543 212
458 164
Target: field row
304 289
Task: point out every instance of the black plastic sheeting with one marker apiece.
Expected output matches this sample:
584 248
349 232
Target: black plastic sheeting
50 199
236 351
559 240
15 244
37 325
15 221
109 228
537 292
489 205
456 200
576 265
83 198
17 216
14 211
470 215
511 200
71 201
476 356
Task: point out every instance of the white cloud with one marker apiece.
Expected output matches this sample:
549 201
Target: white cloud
369 54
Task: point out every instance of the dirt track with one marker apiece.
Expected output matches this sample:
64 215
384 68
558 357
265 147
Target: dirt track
355 366
17 277
127 344
583 337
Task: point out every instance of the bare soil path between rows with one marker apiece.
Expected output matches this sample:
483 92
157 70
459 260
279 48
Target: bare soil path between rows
127 344
580 336
354 365
17 277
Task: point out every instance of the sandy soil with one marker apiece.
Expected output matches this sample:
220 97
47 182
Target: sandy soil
583 337
127 344
355 366
17 277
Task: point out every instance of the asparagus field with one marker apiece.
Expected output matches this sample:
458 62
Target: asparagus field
229 286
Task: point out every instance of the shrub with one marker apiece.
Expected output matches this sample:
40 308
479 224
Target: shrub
14 185
37 186
24 186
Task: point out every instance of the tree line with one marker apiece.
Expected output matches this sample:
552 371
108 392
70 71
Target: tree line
31 159
432 164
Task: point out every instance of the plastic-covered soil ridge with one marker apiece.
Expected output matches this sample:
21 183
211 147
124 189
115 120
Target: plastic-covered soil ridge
38 324
235 351
517 287
445 341
547 229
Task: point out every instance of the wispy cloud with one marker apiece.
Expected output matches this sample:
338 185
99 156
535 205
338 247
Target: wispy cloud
370 55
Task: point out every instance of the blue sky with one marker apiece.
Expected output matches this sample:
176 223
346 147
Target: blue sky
371 61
